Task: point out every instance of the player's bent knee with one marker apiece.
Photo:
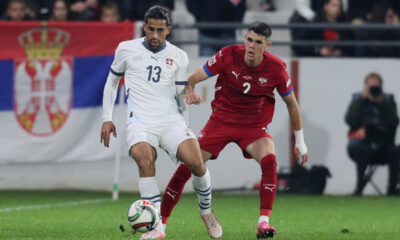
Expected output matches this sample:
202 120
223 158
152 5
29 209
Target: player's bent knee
197 167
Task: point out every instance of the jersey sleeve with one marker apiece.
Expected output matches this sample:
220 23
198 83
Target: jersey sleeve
118 66
216 63
180 78
284 85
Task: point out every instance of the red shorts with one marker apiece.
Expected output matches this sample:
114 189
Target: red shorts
216 135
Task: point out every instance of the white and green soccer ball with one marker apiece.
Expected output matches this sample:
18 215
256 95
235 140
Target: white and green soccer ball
143 216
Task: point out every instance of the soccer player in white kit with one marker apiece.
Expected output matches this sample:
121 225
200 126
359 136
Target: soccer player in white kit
155 75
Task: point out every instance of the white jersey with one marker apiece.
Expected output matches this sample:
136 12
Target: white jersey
150 80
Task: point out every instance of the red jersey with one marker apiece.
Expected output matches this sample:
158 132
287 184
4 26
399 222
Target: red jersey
244 96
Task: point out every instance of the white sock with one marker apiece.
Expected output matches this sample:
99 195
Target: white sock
263 218
202 186
149 191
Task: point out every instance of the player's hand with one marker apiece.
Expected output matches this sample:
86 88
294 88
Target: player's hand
192 98
300 148
107 128
301 153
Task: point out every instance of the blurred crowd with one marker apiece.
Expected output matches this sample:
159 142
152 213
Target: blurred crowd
355 12
77 10
347 11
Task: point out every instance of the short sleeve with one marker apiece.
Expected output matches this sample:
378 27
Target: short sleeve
216 63
183 65
284 85
118 66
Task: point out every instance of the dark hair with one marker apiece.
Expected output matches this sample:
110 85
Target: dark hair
110 5
374 75
16 1
261 29
158 12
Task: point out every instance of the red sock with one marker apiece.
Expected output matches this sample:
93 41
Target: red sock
268 184
174 190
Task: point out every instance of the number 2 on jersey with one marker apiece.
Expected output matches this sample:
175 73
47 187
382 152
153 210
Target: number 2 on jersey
157 72
247 87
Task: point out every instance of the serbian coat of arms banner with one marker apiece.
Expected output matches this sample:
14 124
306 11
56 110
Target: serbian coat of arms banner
52 77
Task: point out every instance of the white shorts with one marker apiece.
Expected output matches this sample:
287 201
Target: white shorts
167 136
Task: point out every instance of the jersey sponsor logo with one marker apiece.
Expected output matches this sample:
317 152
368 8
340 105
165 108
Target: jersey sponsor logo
236 74
262 81
43 81
247 77
154 58
212 60
169 61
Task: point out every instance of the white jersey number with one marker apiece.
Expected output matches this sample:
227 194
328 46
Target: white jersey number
157 72
247 87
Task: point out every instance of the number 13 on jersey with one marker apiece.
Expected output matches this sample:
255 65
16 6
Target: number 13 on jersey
157 73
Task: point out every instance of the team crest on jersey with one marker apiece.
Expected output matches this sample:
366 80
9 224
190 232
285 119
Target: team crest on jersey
212 60
170 61
262 81
43 81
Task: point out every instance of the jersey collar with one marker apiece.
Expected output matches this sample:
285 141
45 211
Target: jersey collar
150 49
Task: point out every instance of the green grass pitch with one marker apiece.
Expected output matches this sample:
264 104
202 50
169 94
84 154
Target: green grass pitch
92 215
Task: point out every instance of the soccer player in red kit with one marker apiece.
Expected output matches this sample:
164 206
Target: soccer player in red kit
241 111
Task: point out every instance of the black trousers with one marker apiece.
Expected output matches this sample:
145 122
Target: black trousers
363 154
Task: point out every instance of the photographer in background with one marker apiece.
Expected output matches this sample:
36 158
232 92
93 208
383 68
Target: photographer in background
372 118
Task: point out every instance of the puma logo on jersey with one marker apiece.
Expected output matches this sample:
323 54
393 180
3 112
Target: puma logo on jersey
236 74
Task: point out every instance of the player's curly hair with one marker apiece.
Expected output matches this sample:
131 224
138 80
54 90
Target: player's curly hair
158 12
261 28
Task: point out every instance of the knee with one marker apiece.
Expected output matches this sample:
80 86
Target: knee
196 166
143 161
144 164
358 150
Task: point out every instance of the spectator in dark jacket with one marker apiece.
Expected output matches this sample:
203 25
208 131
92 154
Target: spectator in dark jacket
59 11
216 11
372 118
332 13
383 13
305 12
16 11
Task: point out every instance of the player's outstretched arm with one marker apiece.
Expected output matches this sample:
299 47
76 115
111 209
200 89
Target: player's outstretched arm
107 128
295 118
191 96
109 95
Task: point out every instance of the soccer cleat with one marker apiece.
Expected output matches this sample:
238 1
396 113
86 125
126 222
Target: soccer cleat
155 234
265 231
213 227
158 233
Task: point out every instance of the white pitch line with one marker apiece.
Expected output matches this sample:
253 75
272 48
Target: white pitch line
63 204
